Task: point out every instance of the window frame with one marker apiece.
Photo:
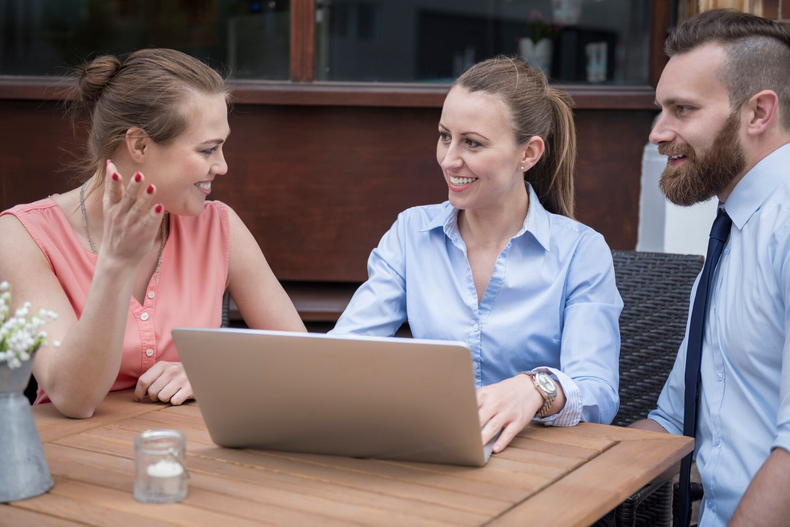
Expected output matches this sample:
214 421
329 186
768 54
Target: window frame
302 89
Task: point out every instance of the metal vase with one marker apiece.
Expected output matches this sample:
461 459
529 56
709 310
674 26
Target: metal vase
24 472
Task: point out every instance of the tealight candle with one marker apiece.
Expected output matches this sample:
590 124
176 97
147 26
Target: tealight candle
160 475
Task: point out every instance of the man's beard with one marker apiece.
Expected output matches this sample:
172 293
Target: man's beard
698 180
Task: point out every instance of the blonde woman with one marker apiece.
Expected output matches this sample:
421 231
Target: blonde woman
502 265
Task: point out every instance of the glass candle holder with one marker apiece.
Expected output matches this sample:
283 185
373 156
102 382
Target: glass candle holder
160 467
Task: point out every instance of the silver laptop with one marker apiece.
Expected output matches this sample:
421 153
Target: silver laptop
391 398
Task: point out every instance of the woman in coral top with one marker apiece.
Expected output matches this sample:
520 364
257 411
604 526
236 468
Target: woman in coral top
137 249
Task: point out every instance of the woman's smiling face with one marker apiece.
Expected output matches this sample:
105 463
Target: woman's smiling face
184 169
478 152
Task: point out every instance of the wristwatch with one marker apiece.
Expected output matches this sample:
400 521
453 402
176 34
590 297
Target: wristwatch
546 387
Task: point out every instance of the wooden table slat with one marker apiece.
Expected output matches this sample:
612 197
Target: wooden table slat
120 503
557 449
118 406
16 517
88 513
584 486
405 473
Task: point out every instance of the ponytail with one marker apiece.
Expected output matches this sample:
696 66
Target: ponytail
552 176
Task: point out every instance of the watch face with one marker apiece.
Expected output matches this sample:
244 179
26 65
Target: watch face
547 383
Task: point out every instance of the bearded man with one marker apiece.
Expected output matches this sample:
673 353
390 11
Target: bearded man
725 127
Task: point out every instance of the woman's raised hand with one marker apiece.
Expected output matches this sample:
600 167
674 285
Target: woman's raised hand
131 217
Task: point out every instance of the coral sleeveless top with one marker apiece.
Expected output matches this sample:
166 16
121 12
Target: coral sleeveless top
192 280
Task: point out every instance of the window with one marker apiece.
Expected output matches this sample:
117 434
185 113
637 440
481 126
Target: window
248 39
575 41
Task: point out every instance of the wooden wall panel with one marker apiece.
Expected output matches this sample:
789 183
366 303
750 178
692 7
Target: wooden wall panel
764 8
318 186
740 5
608 172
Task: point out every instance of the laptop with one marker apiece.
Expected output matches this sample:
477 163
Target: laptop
369 397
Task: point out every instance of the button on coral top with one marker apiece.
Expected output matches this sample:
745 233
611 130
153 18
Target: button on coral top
192 280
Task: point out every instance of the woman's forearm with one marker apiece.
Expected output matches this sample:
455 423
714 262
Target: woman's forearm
81 372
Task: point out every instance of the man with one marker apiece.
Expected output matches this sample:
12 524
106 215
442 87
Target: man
725 127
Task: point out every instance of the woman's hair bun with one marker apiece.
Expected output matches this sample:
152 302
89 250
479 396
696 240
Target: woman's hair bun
93 77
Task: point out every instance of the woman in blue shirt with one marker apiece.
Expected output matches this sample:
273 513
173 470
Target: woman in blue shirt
502 265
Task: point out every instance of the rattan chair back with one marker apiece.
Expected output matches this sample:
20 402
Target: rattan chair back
656 289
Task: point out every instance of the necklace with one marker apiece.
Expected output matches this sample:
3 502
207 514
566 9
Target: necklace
93 247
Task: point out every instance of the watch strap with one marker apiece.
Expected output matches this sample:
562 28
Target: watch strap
548 399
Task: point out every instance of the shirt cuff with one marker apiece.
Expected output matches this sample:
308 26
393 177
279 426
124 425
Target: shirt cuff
571 413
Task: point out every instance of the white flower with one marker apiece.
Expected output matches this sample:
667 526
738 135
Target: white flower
22 334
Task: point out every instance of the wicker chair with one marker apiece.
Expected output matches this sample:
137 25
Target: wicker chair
656 289
225 309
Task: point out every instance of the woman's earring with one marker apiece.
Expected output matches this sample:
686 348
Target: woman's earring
522 169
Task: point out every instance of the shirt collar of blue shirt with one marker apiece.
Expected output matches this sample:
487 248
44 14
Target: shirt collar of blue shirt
537 221
757 185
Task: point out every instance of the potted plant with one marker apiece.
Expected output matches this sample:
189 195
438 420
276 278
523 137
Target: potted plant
537 47
25 471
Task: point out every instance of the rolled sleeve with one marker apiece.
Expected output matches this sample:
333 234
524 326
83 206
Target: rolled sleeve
378 307
590 350
670 409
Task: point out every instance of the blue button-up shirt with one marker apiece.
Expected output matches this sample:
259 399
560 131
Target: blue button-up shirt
744 407
551 303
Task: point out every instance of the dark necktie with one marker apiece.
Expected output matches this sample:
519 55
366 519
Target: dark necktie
718 238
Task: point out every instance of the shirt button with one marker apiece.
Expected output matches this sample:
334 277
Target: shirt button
717 441
475 327
149 352
709 504
144 317
719 376
151 294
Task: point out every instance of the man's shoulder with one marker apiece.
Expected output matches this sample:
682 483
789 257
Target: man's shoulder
775 211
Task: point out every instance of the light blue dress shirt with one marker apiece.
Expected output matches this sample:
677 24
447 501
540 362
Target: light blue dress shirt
744 409
551 303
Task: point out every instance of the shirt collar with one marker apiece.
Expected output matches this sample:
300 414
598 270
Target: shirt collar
536 222
755 187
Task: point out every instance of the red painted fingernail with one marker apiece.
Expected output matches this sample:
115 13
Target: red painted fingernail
138 177
115 176
150 189
159 208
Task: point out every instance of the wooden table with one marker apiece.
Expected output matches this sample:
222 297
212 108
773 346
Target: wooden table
548 476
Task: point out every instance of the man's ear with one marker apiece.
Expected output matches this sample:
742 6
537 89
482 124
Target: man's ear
533 150
761 112
137 144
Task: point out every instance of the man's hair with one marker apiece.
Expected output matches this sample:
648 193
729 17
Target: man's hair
757 53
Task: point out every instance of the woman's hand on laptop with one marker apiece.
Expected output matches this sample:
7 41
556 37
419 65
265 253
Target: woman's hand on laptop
166 382
508 406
